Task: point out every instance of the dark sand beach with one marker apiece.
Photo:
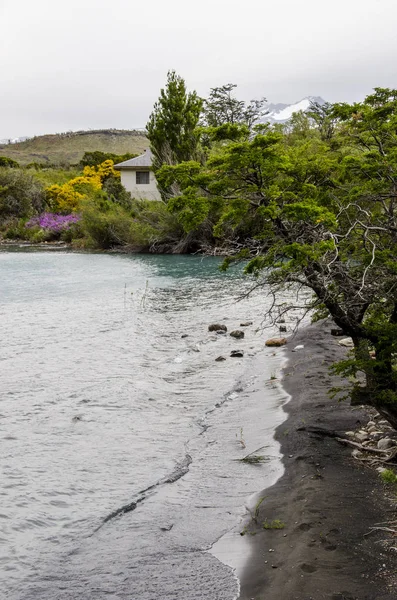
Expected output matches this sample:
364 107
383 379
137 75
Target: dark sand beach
327 500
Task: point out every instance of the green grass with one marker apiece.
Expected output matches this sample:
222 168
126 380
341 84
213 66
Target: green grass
275 524
253 459
388 476
68 148
50 176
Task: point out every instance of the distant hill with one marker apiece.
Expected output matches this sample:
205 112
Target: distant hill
281 113
69 147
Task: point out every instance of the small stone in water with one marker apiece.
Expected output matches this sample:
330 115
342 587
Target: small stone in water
217 327
237 334
237 353
220 359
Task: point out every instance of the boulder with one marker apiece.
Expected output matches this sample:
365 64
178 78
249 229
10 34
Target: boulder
386 443
220 359
217 327
276 342
283 328
237 353
237 334
246 324
346 342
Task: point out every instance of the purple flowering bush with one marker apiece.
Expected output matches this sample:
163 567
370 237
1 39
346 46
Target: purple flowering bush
53 222
51 226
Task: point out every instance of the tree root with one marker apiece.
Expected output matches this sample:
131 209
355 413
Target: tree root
387 529
363 448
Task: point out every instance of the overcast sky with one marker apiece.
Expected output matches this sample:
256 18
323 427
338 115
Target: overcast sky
87 64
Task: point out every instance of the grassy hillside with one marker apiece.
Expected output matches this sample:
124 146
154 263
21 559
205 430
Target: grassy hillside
69 147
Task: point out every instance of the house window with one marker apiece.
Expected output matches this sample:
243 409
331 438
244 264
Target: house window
142 177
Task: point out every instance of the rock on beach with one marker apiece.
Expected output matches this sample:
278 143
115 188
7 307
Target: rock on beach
276 342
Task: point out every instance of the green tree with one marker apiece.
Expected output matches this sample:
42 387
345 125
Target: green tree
223 107
97 157
325 219
324 117
172 126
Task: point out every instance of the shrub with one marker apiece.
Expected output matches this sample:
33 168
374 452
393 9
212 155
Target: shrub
8 162
16 230
68 197
20 194
106 225
116 192
154 226
53 222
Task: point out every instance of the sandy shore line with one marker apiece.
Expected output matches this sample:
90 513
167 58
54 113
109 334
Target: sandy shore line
325 501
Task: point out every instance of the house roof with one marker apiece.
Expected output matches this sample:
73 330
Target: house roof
144 160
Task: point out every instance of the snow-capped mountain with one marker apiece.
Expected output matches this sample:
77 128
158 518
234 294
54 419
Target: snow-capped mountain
280 113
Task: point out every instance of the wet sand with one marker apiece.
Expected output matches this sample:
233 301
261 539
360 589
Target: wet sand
326 501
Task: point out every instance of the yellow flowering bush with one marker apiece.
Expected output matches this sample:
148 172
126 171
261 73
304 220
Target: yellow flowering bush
103 171
63 198
67 198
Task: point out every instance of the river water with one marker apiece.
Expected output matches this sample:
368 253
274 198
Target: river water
119 432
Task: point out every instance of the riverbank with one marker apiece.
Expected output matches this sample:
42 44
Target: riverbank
318 515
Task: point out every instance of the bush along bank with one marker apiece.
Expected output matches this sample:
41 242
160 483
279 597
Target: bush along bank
89 209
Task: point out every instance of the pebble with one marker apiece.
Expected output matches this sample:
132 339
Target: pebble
356 453
361 436
350 434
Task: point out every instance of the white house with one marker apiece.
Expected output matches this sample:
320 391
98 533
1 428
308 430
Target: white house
138 178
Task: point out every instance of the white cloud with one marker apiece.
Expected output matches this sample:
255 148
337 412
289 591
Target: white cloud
91 63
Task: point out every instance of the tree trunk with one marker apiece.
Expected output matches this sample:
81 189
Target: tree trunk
380 390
